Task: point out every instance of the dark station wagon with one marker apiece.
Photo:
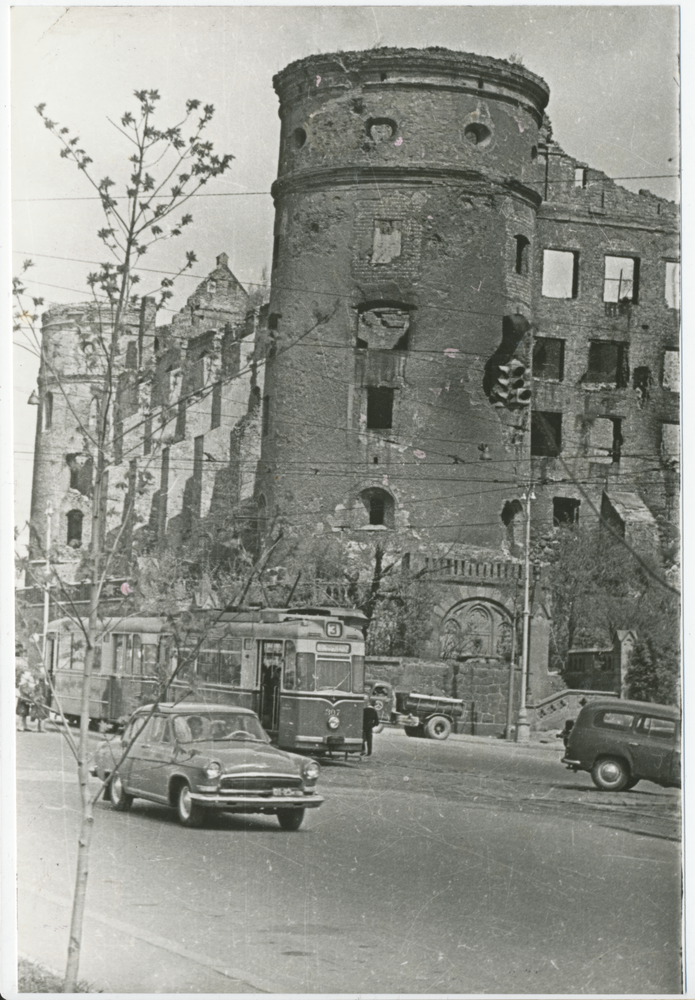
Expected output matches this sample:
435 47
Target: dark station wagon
196 757
623 742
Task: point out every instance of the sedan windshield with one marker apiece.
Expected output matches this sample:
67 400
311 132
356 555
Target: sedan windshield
218 726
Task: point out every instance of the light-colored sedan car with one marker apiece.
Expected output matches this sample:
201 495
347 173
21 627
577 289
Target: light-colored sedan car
195 757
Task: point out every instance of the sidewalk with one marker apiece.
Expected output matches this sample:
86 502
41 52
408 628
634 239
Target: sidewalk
537 740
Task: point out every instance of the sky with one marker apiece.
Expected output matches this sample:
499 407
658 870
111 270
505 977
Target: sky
613 74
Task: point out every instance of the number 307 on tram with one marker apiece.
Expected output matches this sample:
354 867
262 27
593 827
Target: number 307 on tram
302 673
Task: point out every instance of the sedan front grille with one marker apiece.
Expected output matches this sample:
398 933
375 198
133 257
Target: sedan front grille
258 783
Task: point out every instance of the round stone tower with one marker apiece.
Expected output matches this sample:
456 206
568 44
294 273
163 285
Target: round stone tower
70 375
407 189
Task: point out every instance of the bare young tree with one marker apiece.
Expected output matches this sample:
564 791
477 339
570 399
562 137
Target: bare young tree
168 166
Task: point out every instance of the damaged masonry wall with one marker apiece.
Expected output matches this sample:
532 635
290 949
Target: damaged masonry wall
186 422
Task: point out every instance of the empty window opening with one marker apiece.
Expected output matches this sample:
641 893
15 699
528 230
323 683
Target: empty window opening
75 528
522 255
131 354
671 378
549 358
379 408
534 152
477 134
299 138
216 406
276 252
375 460
605 439
621 279
608 363
180 429
47 411
265 418
673 284
386 244
81 468
560 274
671 441
546 434
274 320
565 510
147 435
381 129
380 506
198 454
384 327
642 382
513 520
580 177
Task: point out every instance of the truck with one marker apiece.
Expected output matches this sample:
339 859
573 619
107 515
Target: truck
424 715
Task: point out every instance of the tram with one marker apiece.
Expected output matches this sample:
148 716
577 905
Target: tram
301 671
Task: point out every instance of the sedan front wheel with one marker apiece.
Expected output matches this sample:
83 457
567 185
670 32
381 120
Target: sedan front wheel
290 819
120 799
190 813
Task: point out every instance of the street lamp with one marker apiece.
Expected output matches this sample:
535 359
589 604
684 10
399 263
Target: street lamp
523 728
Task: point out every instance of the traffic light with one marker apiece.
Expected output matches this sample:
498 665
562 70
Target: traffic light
510 388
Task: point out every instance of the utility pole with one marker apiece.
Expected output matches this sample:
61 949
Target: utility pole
46 592
522 724
512 668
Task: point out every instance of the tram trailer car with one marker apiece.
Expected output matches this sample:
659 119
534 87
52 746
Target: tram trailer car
303 676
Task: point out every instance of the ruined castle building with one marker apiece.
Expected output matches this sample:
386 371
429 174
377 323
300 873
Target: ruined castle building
606 385
457 305
185 422
408 181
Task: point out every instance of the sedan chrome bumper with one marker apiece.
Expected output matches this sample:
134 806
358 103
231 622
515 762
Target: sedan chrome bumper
247 803
571 763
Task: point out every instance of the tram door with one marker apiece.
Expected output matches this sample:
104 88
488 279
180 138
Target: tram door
270 664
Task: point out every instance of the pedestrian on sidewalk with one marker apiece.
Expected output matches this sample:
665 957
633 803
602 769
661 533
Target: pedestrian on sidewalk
25 697
39 708
370 719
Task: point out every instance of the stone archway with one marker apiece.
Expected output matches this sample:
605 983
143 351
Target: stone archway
478 629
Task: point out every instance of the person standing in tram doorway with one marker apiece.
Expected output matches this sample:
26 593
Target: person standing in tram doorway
370 719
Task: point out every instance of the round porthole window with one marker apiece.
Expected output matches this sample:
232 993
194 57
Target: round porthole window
381 129
477 135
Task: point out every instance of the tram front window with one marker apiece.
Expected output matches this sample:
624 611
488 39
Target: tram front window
333 675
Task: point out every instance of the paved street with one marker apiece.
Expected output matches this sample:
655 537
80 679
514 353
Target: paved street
467 866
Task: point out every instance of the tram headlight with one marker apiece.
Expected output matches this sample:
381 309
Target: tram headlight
333 721
213 770
310 770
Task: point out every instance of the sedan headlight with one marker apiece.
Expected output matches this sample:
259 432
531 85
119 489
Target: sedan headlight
333 722
213 770
310 770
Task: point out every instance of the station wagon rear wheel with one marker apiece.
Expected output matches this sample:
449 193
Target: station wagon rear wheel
190 813
437 728
611 774
120 799
290 819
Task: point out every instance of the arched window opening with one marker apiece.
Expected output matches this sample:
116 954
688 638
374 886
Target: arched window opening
380 507
47 412
75 528
522 255
513 520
